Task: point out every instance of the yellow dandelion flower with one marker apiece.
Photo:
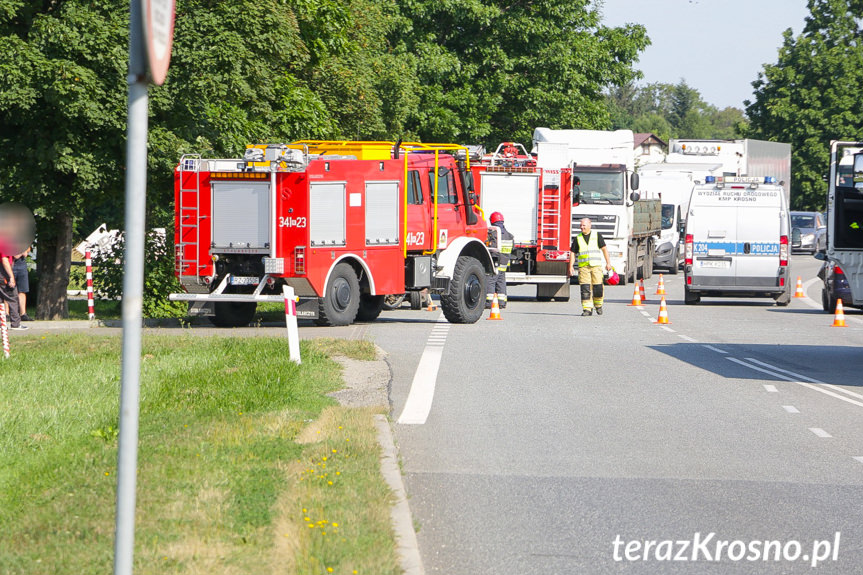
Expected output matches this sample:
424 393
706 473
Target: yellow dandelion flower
335 451
325 458
329 482
107 473
338 472
329 569
335 524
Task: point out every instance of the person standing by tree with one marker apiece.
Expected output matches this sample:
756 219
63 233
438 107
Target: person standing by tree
22 282
9 292
589 248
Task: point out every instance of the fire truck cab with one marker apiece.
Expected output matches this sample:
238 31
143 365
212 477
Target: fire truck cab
343 223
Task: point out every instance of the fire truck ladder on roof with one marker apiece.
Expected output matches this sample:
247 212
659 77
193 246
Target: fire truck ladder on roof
549 216
190 219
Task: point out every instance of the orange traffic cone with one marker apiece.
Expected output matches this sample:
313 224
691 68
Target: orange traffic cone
660 287
636 296
641 291
663 312
431 306
799 292
839 319
495 309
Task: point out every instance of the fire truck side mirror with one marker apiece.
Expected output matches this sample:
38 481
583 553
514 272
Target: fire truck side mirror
471 197
633 181
442 171
468 183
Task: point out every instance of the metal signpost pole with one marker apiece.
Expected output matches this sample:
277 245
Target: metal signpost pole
151 30
133 289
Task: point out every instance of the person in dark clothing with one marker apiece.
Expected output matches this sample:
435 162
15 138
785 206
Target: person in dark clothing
497 283
589 250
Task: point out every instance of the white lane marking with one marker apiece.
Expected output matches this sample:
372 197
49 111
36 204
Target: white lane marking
819 432
687 338
859 458
666 328
771 389
809 379
777 374
421 395
716 349
645 314
790 409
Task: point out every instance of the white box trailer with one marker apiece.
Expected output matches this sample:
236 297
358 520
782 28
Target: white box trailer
743 157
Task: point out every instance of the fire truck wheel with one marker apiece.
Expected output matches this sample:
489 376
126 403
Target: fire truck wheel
370 307
416 299
340 304
234 313
464 302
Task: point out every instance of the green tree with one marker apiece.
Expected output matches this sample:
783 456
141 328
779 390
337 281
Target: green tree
672 111
285 70
494 70
812 95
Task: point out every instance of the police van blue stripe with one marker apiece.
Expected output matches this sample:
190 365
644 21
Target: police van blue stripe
737 248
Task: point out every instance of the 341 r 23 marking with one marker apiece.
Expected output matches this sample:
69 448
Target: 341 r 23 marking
290 222
416 238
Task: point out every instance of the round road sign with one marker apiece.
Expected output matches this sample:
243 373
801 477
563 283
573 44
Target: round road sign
159 35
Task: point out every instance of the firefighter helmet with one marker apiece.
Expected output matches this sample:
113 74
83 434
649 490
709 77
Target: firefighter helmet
613 278
495 217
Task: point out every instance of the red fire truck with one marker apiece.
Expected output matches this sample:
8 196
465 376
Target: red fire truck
536 204
343 223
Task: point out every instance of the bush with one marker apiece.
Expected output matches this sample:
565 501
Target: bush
159 278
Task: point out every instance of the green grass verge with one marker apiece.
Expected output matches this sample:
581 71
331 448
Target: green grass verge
244 464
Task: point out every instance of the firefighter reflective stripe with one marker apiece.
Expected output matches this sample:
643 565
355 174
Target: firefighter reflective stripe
502 268
588 252
506 246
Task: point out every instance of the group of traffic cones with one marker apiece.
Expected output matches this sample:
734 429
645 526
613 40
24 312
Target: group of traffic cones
839 315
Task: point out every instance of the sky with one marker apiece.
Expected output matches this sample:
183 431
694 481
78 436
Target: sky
717 46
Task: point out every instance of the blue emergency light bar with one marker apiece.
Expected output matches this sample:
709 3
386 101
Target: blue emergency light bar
709 179
769 180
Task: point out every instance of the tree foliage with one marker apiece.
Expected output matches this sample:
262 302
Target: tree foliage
470 71
812 95
493 70
672 111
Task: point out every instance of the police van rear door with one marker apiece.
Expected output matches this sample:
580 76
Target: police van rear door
713 225
759 213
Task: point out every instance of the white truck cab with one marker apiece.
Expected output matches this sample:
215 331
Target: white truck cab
737 240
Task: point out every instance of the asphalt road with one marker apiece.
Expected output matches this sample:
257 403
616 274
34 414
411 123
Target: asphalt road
552 436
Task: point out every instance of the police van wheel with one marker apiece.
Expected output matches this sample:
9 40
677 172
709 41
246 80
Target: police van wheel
464 302
233 313
340 304
370 307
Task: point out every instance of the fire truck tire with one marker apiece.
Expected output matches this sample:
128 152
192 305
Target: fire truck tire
233 313
370 307
340 304
416 299
464 302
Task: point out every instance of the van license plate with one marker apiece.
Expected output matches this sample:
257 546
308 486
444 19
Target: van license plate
244 281
718 264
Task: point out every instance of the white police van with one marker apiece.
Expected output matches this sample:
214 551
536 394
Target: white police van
737 240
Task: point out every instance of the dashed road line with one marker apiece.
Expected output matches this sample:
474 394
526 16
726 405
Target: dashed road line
716 349
859 458
421 395
770 388
790 409
687 338
819 432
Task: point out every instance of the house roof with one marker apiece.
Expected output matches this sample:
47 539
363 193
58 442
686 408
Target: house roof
647 138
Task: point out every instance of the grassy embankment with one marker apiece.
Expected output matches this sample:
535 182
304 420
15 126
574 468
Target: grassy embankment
244 464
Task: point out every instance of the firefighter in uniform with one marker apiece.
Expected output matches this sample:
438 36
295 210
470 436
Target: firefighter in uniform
497 283
590 249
